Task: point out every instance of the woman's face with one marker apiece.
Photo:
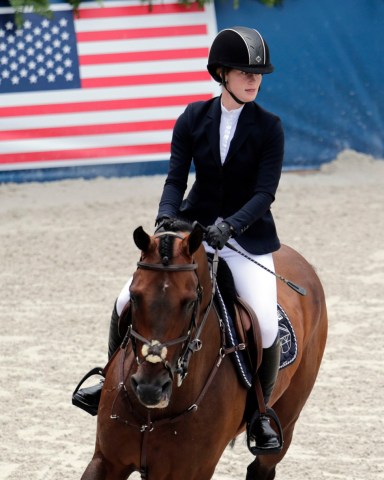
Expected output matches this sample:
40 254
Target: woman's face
244 86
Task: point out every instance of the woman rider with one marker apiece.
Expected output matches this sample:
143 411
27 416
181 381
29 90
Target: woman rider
237 149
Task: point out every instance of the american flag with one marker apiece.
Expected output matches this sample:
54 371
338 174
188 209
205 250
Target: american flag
104 86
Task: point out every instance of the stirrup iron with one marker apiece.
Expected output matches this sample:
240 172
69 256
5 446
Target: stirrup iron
254 449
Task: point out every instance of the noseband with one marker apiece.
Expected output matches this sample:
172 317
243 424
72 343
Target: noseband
154 351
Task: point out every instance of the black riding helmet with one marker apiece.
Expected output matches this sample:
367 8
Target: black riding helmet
241 48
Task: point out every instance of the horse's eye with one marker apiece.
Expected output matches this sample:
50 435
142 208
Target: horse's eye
190 305
133 299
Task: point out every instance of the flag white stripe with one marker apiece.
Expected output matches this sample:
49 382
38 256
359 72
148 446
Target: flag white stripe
141 68
81 161
107 117
91 141
90 95
143 45
142 21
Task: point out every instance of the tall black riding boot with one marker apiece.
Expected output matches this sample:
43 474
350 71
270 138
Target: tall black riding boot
88 398
259 430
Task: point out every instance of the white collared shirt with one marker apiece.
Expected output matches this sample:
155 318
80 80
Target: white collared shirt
228 123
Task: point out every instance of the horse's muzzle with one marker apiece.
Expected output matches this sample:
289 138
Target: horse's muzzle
152 392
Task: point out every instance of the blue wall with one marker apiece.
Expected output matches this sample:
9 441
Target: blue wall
327 86
329 67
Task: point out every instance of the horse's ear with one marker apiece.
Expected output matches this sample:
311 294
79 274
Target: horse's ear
195 238
141 239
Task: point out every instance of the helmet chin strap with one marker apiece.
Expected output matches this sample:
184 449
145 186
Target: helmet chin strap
240 102
224 83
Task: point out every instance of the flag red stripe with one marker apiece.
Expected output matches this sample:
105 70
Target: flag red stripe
129 11
84 153
147 56
154 79
80 130
127 34
101 105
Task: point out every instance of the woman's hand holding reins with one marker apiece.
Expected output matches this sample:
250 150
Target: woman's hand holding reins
217 235
160 223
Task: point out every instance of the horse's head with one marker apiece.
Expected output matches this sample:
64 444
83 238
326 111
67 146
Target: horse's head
166 294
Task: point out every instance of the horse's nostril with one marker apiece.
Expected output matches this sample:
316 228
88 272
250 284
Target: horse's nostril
149 395
134 383
166 386
152 394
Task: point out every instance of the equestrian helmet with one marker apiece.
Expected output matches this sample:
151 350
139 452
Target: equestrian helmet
241 48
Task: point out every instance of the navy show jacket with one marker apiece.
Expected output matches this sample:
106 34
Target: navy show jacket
242 189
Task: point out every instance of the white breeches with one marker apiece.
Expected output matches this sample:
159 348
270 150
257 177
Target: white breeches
256 286
253 283
123 298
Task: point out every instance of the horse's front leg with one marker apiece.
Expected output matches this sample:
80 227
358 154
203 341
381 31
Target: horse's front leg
96 470
99 469
257 471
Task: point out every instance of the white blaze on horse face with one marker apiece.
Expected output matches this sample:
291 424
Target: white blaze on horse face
165 286
147 352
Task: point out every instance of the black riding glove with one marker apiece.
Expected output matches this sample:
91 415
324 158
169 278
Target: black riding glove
160 223
217 235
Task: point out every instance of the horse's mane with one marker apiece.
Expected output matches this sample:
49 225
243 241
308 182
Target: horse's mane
176 225
167 241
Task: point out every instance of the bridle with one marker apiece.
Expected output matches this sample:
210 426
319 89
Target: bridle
191 340
192 344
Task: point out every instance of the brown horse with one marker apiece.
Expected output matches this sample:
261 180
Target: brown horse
155 419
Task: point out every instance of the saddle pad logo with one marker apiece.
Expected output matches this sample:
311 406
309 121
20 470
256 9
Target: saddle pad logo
287 339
